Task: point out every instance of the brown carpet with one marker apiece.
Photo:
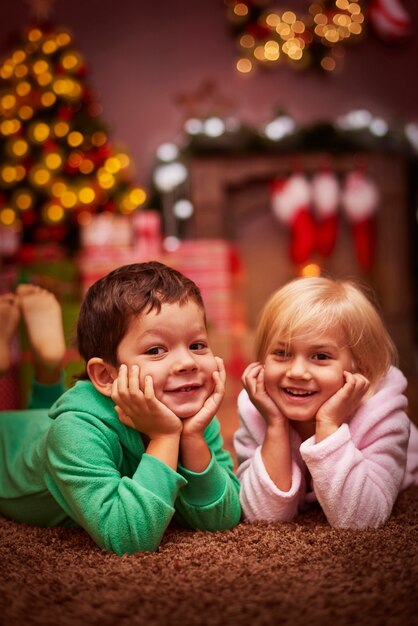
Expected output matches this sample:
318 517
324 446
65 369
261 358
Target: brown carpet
302 572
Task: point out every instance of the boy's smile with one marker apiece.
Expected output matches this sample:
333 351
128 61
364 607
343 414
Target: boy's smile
172 347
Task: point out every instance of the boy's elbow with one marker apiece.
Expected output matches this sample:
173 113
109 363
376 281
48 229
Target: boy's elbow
226 520
121 542
230 522
120 548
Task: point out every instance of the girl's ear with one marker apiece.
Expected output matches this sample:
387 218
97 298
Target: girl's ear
101 375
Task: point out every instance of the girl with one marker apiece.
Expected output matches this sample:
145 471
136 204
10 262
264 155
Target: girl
323 410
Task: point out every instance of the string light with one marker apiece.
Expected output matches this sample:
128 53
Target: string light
268 37
86 195
23 199
7 216
131 201
53 161
311 270
53 213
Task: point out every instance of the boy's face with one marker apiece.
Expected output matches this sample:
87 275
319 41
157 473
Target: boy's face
172 347
302 376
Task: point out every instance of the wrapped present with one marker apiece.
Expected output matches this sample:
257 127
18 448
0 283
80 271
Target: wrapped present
205 261
107 229
10 396
10 237
208 263
147 234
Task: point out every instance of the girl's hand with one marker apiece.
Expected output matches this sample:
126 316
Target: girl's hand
139 409
253 382
196 424
338 408
275 449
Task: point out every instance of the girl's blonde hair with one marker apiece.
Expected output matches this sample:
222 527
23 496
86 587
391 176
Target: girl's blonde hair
319 305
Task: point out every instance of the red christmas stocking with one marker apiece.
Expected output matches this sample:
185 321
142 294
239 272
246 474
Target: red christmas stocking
364 234
326 198
291 205
303 237
360 198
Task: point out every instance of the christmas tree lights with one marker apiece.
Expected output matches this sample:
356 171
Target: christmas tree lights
57 164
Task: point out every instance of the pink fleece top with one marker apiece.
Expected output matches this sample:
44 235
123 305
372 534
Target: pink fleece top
355 474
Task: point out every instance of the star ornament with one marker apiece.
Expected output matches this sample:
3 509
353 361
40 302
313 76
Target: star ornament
41 10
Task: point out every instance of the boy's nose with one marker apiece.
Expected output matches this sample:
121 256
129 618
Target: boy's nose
184 361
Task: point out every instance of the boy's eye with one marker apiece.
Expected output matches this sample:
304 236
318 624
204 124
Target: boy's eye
155 350
198 345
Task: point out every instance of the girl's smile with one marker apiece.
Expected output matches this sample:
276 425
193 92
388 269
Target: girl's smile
302 375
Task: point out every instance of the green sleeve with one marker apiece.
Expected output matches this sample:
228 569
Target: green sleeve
44 396
121 514
210 500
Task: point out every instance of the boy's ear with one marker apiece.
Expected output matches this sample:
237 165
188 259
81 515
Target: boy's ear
101 375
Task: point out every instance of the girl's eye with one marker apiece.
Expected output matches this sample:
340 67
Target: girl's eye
155 351
321 356
198 345
281 354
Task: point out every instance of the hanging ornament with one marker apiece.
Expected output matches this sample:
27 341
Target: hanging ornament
291 205
390 19
325 199
360 198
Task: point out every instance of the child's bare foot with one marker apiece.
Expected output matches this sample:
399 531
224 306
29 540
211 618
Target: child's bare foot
9 319
43 320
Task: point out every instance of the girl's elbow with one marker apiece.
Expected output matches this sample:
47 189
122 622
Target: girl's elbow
362 520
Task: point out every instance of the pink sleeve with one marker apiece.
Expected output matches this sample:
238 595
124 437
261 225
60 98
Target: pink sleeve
260 498
357 472
411 472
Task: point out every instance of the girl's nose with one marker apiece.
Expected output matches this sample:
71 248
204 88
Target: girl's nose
298 368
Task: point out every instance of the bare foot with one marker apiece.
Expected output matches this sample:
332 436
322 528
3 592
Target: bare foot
43 320
9 319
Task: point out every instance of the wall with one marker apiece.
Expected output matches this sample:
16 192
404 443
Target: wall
143 55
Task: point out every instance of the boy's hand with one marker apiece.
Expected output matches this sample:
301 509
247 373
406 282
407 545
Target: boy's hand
195 453
196 424
253 382
341 405
141 409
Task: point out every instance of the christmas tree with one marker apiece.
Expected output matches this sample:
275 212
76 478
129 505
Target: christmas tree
57 164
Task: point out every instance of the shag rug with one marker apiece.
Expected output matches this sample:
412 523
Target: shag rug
262 574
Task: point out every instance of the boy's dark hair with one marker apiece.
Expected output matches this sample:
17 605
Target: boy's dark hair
130 290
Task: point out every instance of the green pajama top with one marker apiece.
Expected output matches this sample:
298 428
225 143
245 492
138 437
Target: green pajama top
78 465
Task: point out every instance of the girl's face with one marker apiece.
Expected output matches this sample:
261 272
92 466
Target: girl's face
302 375
172 347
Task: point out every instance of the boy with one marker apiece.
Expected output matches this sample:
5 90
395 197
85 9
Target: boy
135 441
